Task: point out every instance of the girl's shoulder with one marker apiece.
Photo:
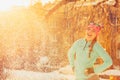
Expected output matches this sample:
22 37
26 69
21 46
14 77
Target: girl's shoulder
80 41
97 45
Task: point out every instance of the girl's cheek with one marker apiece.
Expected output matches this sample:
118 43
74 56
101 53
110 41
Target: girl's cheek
94 33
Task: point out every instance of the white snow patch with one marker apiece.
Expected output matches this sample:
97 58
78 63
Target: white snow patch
30 75
111 72
66 70
61 74
44 60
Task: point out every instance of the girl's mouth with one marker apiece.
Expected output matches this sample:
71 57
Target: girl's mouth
89 34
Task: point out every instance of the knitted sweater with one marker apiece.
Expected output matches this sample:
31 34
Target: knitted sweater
80 48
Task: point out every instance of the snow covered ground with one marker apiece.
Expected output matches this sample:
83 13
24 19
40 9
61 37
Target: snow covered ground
111 72
61 74
29 75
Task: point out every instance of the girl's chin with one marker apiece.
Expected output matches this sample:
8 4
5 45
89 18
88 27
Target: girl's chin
89 39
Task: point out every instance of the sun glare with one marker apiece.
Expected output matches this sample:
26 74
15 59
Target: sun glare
46 1
8 4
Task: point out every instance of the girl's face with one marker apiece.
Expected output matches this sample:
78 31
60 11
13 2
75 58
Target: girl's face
90 34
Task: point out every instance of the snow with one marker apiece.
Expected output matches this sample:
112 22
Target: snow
64 73
111 72
30 75
66 70
44 60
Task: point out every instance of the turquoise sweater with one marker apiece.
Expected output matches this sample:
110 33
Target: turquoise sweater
82 60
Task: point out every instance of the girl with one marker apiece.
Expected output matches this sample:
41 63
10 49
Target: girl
87 50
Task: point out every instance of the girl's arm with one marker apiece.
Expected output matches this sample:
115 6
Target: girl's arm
71 53
107 61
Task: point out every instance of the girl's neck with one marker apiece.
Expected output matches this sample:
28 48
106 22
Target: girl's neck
87 40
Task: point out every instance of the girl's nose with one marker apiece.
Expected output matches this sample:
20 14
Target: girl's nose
89 31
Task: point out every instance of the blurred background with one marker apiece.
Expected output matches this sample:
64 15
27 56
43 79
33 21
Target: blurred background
35 35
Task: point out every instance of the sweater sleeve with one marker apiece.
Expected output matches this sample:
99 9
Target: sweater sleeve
71 53
107 61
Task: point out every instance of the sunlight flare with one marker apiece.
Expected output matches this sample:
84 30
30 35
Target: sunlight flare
46 1
6 5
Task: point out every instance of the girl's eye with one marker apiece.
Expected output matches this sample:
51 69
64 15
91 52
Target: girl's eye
88 28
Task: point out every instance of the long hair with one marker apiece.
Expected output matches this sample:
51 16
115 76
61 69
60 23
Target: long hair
91 46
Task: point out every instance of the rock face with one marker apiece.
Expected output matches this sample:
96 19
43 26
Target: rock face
76 16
